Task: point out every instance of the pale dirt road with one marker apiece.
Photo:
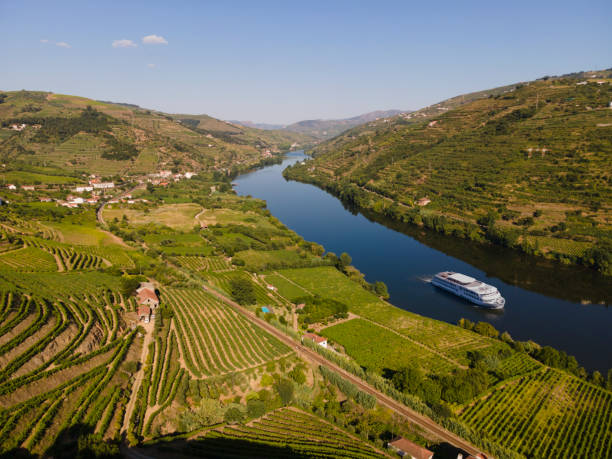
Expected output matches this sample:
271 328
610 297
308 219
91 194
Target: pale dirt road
148 336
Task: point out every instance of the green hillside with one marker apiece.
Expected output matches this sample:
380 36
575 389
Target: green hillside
274 139
527 166
63 135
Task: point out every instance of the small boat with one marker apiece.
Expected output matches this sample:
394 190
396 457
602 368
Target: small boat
467 287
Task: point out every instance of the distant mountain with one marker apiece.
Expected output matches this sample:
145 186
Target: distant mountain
324 129
264 126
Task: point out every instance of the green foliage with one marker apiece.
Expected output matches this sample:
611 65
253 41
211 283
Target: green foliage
297 375
129 284
233 415
320 309
285 389
242 290
255 408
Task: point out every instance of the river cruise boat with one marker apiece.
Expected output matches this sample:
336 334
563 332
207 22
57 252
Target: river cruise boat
467 287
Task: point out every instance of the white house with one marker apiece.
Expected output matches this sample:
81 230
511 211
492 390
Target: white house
315 339
83 189
103 185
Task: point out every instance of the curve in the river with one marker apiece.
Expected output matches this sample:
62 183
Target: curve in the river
550 304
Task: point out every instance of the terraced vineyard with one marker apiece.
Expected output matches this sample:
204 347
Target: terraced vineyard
214 339
28 259
61 365
196 263
547 414
283 433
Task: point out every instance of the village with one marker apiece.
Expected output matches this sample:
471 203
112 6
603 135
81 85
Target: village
96 189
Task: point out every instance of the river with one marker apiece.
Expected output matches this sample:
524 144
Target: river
565 307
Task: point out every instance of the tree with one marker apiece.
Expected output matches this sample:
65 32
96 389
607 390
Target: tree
256 408
242 291
234 415
407 379
597 378
381 289
285 389
297 374
128 285
345 260
486 329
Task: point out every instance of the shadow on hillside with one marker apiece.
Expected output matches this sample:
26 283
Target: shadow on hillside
76 442
218 448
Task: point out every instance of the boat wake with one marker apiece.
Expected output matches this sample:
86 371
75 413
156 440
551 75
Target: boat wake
426 279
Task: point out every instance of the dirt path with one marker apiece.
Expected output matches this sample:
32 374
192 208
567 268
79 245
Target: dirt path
383 399
139 376
197 218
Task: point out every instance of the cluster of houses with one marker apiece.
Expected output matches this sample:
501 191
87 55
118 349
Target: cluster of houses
162 178
148 302
76 201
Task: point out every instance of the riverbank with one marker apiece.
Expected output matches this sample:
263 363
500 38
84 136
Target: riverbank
563 251
545 302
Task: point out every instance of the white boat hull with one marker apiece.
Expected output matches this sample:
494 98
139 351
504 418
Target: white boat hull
499 303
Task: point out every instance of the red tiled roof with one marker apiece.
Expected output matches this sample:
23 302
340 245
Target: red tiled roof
412 449
144 311
316 338
147 294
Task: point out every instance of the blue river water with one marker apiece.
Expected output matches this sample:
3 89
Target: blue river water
565 307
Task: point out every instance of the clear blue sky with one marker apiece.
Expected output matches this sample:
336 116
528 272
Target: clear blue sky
286 61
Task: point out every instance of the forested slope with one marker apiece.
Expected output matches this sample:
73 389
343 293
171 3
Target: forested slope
527 166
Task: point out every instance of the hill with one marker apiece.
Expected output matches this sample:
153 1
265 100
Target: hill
63 134
325 129
526 166
245 135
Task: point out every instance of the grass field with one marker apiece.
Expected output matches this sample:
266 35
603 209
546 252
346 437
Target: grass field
177 216
451 341
23 177
379 349
176 243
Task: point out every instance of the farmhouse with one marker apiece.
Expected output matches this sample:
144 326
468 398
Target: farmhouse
27 187
144 314
82 189
315 339
423 201
405 448
148 297
10 186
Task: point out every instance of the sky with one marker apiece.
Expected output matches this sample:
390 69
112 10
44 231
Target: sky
281 62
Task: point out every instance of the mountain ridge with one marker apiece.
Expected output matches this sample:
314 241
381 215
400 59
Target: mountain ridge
524 165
